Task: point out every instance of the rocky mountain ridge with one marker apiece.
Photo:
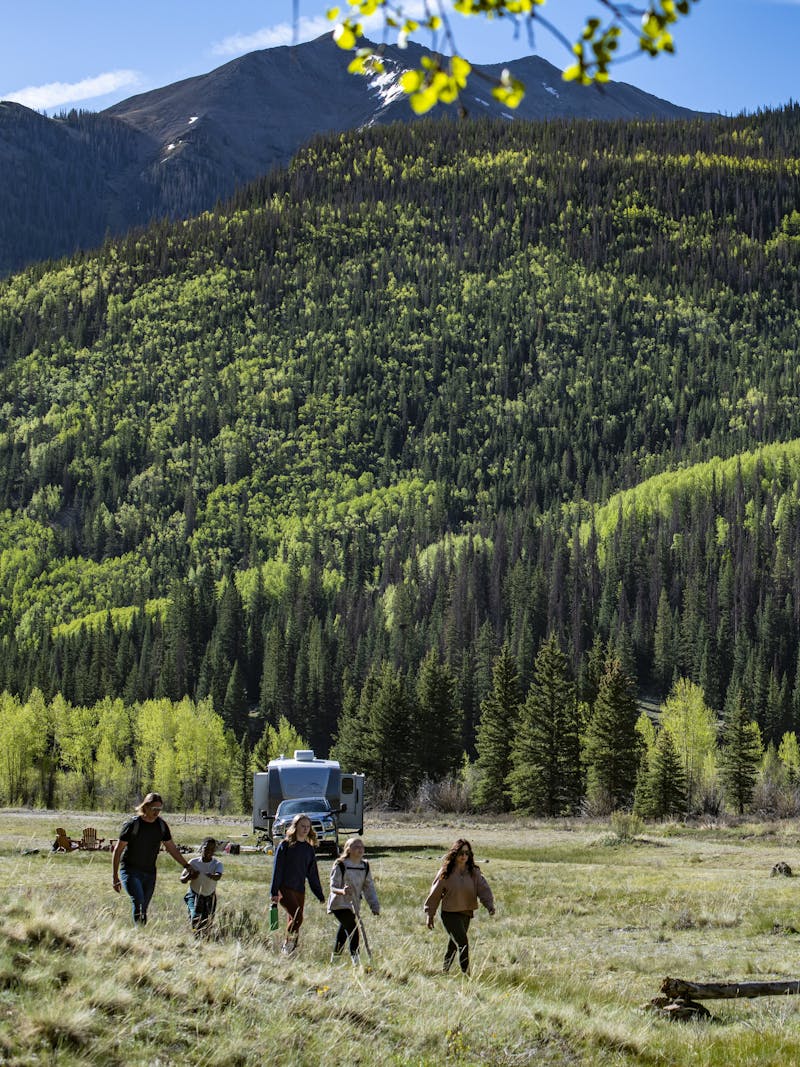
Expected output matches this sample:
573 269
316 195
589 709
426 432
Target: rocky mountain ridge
175 151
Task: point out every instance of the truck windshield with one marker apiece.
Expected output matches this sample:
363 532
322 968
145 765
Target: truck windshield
297 807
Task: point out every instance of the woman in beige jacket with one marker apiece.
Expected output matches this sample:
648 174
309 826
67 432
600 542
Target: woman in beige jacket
458 886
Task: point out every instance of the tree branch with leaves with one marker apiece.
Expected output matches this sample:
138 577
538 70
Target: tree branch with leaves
440 79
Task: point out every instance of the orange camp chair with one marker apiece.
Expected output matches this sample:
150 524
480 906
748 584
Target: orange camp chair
90 840
64 842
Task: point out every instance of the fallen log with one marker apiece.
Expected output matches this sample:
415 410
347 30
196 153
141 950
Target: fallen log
675 988
679 1008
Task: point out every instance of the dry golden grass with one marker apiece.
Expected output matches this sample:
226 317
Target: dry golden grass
585 931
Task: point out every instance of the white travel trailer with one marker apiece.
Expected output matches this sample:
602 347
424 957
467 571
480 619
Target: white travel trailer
305 777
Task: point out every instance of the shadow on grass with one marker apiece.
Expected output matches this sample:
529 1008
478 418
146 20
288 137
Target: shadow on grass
377 851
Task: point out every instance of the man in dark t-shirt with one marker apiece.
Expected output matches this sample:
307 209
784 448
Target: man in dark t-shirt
134 858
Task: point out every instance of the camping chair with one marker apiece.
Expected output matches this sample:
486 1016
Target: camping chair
90 840
63 842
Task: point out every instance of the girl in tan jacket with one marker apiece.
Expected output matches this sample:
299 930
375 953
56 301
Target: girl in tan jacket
458 886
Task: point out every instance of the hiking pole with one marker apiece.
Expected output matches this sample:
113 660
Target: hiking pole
363 930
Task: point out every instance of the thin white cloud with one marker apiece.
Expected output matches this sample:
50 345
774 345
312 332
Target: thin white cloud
54 94
272 36
283 33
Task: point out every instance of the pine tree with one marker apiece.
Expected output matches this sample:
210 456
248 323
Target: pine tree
545 752
612 746
740 756
667 780
438 720
643 800
352 737
234 708
242 776
663 644
274 698
499 713
391 735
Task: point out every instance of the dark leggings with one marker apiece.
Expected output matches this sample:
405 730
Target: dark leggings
456 923
347 931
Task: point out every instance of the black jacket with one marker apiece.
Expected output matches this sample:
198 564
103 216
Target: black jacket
294 863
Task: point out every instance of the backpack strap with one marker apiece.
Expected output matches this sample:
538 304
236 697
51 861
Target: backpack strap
137 821
342 868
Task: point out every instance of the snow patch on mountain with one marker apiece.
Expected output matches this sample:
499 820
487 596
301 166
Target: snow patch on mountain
386 86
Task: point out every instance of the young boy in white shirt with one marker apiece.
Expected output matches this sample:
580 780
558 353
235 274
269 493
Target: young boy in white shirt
203 873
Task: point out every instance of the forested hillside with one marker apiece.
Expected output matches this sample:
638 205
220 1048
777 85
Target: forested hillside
435 388
172 152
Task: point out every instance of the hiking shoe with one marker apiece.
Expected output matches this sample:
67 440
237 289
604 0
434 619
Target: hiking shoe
354 956
288 947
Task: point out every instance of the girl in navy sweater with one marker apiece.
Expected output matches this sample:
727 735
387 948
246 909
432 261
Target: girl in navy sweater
295 863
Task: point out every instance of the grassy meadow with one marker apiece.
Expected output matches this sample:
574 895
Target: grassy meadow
587 926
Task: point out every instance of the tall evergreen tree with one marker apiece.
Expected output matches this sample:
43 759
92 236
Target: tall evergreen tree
663 644
438 720
234 708
545 753
242 776
643 800
352 738
390 739
612 746
499 713
740 756
667 780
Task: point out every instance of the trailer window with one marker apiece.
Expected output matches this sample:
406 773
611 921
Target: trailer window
305 781
347 786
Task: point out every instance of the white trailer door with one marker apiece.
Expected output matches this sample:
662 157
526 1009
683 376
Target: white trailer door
351 816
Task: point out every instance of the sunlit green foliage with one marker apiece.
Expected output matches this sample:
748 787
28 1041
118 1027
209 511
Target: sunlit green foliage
438 82
692 726
108 754
432 389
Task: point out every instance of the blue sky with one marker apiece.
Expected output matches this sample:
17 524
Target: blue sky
733 55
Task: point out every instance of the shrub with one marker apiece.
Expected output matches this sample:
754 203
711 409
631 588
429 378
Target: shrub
625 825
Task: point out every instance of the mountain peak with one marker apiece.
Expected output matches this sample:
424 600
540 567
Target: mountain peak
177 150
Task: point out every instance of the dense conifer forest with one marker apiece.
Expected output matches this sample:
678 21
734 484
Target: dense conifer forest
350 448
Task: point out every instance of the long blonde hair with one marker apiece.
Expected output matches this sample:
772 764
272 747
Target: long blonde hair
291 833
345 855
151 798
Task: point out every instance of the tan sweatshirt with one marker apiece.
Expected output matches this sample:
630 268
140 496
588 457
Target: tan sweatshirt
460 892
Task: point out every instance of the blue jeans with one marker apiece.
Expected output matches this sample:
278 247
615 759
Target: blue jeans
139 886
201 909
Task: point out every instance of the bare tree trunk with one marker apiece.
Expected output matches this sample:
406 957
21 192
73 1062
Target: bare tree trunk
677 988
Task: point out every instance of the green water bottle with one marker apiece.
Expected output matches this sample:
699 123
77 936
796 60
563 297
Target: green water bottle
273 917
